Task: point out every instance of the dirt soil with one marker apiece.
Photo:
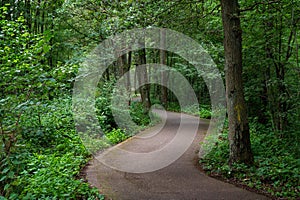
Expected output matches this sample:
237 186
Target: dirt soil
180 180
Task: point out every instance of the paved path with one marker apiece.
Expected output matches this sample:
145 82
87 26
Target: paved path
180 180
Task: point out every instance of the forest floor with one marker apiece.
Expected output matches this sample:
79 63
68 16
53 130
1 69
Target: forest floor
180 180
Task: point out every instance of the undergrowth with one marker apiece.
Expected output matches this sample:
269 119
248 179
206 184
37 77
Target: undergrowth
46 161
203 111
277 163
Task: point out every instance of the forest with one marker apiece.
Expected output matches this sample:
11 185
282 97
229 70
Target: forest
44 45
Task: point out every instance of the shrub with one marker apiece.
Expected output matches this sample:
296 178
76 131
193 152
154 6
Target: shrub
116 136
138 114
48 156
276 167
103 107
205 111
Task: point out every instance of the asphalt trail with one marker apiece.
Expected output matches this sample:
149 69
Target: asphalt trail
180 180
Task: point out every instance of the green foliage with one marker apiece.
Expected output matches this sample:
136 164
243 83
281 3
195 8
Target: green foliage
93 144
104 110
277 163
205 112
64 74
25 81
52 176
21 56
42 44
103 106
47 157
116 136
216 160
138 114
271 86
26 85
174 106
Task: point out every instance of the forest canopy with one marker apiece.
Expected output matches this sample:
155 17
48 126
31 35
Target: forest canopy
43 45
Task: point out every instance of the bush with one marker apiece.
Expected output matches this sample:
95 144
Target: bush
103 107
104 111
205 112
48 156
277 164
139 115
116 136
173 106
52 176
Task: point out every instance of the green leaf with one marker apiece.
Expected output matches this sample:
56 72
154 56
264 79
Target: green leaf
2 198
5 170
6 186
3 178
10 174
46 48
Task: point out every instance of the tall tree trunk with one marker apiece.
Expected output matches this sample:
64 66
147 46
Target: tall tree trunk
107 74
28 14
239 136
128 83
163 61
123 64
142 76
127 78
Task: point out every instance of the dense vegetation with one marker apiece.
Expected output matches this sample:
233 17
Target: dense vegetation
43 44
276 163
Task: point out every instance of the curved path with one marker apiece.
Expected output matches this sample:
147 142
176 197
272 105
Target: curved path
180 180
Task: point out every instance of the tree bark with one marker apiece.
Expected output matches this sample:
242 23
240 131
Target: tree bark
163 61
142 77
127 80
128 83
239 136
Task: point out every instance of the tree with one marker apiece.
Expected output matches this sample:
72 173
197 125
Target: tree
271 86
142 76
239 136
163 59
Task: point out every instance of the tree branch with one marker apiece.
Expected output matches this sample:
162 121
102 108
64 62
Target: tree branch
257 4
168 9
290 42
81 33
